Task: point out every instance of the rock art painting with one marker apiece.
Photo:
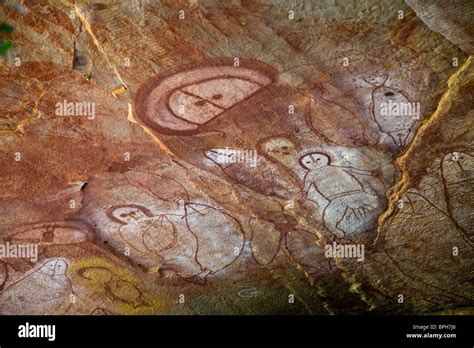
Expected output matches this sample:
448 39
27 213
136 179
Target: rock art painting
51 288
237 159
394 114
196 95
347 207
198 240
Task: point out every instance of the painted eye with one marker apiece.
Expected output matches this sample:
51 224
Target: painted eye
200 103
123 215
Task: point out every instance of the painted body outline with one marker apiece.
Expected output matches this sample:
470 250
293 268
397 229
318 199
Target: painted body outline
313 161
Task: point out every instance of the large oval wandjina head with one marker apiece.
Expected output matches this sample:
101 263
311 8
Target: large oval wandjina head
184 100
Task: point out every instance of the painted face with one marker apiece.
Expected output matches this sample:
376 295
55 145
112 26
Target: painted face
60 267
314 160
188 99
279 147
130 215
54 267
201 102
377 80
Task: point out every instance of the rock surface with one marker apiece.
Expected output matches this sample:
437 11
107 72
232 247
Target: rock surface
237 157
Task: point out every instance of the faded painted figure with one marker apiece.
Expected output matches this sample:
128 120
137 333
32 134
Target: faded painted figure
195 241
41 291
347 207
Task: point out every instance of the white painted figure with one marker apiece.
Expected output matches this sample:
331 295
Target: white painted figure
38 292
347 207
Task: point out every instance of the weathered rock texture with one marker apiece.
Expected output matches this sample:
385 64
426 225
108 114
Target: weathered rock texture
202 157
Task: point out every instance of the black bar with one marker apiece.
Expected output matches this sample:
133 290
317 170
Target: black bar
242 330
